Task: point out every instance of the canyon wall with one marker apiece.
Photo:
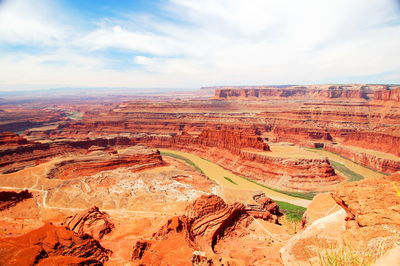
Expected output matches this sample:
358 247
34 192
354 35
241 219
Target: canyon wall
358 92
382 164
231 140
388 95
311 116
16 157
135 158
251 160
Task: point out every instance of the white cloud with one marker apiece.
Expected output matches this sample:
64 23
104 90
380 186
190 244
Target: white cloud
27 22
117 37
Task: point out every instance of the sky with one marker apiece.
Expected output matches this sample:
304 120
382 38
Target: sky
192 43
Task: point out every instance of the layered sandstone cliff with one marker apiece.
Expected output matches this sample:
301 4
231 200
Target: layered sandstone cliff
388 95
9 139
227 139
16 157
369 158
309 121
135 158
358 92
253 162
9 199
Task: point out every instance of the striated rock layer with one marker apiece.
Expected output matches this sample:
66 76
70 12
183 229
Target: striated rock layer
388 95
309 91
231 140
50 244
208 221
92 222
292 173
317 116
311 116
9 199
17 157
386 165
136 158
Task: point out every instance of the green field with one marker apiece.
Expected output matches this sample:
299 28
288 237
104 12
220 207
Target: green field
186 160
301 195
230 180
348 172
292 212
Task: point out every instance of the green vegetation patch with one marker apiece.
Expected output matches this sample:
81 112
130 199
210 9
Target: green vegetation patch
348 172
346 256
230 180
76 115
292 212
186 160
301 195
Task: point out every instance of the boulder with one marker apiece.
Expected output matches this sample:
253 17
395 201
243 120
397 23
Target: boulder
92 222
51 243
206 221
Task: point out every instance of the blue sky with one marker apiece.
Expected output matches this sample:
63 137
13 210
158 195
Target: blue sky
191 43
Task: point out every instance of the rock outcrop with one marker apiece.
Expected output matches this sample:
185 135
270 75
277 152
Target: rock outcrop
211 219
321 205
50 244
311 91
207 222
373 161
265 208
8 138
366 225
9 199
136 158
388 95
227 139
17 157
373 212
92 222
323 234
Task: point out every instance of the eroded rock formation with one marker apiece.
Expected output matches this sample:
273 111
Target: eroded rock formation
207 222
11 139
388 95
9 199
249 159
389 164
135 158
373 211
17 157
315 91
366 225
50 244
228 139
265 208
92 222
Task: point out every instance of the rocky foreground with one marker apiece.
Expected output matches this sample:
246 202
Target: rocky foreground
361 217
